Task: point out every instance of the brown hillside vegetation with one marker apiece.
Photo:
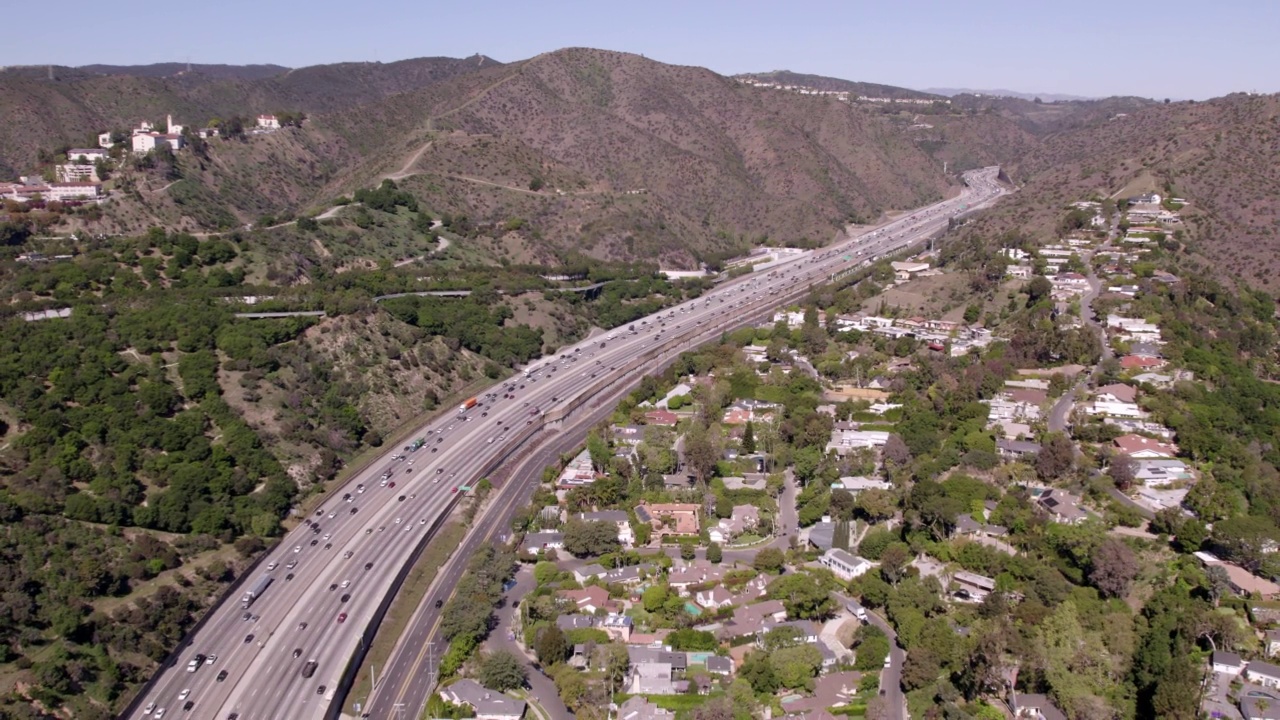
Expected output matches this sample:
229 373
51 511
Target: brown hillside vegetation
36 113
676 155
1223 155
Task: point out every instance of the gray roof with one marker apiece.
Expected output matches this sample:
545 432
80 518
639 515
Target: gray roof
650 656
1222 657
575 622
485 701
718 664
592 570
1263 668
822 535
1253 709
539 540
1047 709
638 708
1018 447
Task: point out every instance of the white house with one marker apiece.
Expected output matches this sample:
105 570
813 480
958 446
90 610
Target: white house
843 564
1112 408
842 441
146 142
270 122
1226 662
488 704
1262 673
903 271
104 140
86 155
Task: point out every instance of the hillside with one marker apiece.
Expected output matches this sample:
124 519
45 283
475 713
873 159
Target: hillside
38 114
821 82
641 158
220 72
1222 155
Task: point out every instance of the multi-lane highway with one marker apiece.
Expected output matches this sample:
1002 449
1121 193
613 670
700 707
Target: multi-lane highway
331 575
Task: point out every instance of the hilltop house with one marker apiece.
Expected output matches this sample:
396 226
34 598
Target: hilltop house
843 564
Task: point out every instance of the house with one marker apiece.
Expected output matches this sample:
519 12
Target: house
903 271
578 472
843 564
1028 396
104 140
694 573
617 626
972 586
1117 392
1141 362
639 708
630 575
588 572
1273 643
268 122
618 517
628 434
1155 379
842 440
1018 272
965 525
1161 473
1143 448
1256 708
588 600
1227 663
720 665
535 542
743 518
575 622
1263 673
805 631
751 619
1242 581
1017 449
713 599
1027 706
1063 507
652 670
856 484
1113 408
662 417
146 142
86 155
77 173
822 534
669 518
488 704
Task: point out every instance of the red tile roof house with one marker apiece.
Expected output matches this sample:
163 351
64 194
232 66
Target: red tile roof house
1141 362
661 417
1143 448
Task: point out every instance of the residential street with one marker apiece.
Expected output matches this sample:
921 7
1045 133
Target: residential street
541 688
891 677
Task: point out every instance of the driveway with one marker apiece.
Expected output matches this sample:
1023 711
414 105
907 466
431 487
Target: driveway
541 688
890 677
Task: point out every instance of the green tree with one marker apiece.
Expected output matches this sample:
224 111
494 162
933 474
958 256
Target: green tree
796 667
502 671
769 560
714 553
550 646
804 597
749 438
758 671
871 646
590 538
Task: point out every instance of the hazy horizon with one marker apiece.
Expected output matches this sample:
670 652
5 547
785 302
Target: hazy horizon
1090 51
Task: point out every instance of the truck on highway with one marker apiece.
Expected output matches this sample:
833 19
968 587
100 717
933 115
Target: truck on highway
256 591
417 444
467 405
310 668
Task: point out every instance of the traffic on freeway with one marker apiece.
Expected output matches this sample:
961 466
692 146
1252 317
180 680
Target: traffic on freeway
277 648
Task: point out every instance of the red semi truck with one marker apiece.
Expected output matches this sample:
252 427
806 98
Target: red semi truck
470 403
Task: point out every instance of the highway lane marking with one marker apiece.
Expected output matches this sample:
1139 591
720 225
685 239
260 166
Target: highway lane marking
422 654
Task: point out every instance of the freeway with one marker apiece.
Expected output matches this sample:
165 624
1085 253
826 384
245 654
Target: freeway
334 574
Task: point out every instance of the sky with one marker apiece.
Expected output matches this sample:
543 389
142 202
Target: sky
1173 48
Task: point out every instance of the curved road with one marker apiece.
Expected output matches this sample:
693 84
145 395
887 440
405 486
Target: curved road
366 542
